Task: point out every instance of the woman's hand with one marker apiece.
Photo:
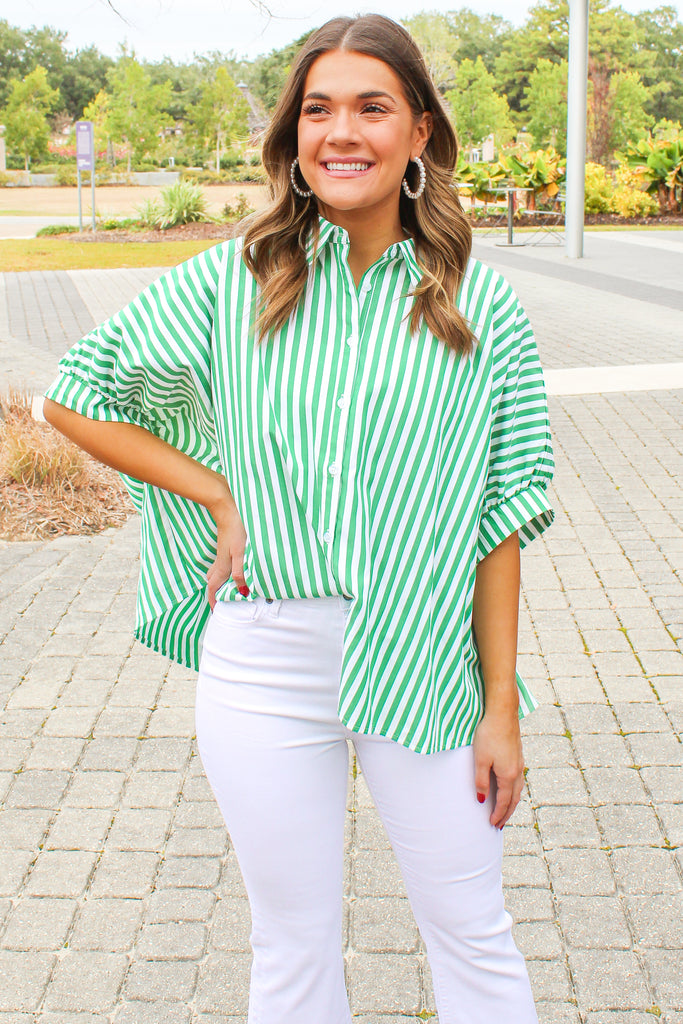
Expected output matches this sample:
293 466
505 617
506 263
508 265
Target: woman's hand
232 538
498 750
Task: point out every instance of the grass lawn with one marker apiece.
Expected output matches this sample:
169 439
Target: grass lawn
61 254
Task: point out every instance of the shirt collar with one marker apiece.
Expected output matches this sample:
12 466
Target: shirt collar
331 234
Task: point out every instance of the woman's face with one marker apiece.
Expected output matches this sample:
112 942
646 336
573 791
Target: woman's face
356 134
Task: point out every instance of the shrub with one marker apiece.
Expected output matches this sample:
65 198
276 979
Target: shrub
5 179
119 224
56 229
180 203
66 175
598 189
149 213
629 199
238 211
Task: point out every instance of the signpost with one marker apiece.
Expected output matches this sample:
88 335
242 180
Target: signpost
85 161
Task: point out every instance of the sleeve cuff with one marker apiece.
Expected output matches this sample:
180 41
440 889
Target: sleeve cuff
528 511
76 394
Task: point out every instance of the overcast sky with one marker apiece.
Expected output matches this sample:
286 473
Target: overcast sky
181 28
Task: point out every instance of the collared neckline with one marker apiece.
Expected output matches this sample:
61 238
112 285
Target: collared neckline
333 234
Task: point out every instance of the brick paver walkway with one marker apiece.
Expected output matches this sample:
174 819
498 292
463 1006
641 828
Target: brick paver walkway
120 897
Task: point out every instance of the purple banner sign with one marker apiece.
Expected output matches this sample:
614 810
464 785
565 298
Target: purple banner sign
85 146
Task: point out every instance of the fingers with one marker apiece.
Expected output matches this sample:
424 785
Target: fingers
508 797
238 575
502 806
482 779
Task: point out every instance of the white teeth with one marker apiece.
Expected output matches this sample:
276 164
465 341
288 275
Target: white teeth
346 166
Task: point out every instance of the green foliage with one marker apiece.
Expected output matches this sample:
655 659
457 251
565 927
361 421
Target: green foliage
432 33
657 164
630 199
598 194
616 115
545 104
220 117
26 115
542 170
660 48
133 112
267 75
180 203
85 74
239 210
478 35
478 110
66 175
56 229
480 179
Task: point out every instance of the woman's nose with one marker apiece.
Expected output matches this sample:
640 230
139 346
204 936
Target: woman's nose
343 128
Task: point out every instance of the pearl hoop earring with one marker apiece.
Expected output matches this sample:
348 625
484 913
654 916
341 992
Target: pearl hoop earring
292 172
423 178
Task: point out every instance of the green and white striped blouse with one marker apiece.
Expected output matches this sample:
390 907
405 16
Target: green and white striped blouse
364 460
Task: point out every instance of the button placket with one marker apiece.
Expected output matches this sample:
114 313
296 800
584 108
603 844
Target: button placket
336 456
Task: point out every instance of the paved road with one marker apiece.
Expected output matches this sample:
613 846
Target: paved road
28 226
120 897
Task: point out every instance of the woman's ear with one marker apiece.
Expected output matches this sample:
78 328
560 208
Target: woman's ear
423 130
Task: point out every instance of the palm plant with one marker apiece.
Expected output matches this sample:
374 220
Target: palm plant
659 165
542 171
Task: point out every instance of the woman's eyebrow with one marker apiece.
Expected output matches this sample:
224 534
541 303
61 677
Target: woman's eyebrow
371 94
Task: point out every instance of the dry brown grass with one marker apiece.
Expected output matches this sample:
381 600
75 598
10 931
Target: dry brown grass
48 486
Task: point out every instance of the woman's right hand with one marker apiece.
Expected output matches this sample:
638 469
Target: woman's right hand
232 538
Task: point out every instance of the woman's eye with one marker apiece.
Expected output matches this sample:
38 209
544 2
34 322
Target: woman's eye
313 108
373 108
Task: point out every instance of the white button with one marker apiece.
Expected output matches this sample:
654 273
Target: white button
333 469
351 342
341 401
327 536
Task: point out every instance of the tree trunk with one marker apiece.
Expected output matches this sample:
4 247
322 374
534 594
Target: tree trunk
218 154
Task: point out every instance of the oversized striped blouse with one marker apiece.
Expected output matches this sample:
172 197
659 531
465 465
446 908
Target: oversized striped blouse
364 460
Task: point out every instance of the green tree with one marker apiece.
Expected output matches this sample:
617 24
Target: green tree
267 75
31 100
136 109
628 119
477 108
478 35
221 114
545 105
432 33
97 111
661 40
84 76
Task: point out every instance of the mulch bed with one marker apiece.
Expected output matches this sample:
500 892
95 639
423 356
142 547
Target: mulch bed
181 233
208 230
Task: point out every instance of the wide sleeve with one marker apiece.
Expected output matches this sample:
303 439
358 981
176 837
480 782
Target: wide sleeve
520 465
151 364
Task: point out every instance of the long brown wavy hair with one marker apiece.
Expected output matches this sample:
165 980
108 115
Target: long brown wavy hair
275 238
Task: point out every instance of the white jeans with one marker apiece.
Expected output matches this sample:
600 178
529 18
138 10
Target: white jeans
276 756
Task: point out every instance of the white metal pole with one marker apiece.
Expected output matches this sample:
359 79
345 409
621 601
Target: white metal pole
577 90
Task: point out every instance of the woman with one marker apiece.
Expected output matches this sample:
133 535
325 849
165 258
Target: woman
340 419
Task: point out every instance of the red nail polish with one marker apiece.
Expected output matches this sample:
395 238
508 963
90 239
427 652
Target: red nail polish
243 591
481 798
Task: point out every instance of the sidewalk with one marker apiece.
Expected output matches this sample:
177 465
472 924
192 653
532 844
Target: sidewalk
120 897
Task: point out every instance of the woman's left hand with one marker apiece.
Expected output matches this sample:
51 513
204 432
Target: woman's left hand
498 750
